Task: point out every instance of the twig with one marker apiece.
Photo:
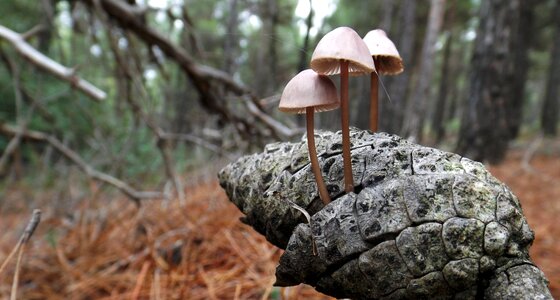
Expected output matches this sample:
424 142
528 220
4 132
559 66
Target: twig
197 141
76 159
270 121
140 280
162 144
47 64
10 148
156 285
33 31
31 226
5 263
29 229
26 235
14 143
15 281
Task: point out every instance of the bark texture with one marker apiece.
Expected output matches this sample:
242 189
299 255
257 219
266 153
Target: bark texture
422 223
393 111
485 127
416 110
551 106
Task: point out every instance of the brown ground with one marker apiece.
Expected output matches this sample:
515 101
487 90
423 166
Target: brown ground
111 250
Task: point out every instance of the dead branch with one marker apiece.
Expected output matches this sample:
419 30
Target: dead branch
44 62
202 77
10 149
31 225
270 121
162 144
13 145
76 159
197 141
33 32
26 235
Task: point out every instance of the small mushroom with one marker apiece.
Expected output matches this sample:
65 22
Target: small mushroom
309 92
387 62
343 51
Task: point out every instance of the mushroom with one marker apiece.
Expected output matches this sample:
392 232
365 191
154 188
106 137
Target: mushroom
387 62
343 51
309 92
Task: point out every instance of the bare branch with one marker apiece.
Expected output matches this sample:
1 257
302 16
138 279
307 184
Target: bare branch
42 61
76 159
15 141
26 235
11 147
201 76
31 225
270 121
162 144
197 141
32 32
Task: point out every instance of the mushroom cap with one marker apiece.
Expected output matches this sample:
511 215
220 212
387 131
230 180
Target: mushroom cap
309 89
387 58
342 43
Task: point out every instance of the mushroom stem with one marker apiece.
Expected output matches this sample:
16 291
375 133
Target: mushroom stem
346 157
374 102
323 193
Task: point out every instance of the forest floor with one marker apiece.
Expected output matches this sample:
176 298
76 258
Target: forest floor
164 250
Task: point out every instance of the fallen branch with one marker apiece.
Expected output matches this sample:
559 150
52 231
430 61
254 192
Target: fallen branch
42 61
76 159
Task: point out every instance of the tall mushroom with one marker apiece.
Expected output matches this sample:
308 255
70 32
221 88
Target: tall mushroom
307 93
343 51
387 62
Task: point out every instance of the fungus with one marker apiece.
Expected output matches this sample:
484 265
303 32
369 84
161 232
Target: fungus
343 51
309 92
387 61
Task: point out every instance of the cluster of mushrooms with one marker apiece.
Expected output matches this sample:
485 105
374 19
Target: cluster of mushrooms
341 51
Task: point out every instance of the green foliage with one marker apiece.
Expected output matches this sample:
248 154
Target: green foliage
20 15
109 135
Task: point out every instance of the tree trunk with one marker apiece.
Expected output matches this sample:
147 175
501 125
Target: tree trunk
303 53
384 105
47 21
393 111
417 108
440 106
485 133
231 40
551 105
441 102
266 68
387 17
523 41
386 108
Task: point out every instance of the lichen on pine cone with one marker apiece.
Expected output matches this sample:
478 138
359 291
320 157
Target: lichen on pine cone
422 223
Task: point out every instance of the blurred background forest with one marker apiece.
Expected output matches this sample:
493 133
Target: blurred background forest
103 100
